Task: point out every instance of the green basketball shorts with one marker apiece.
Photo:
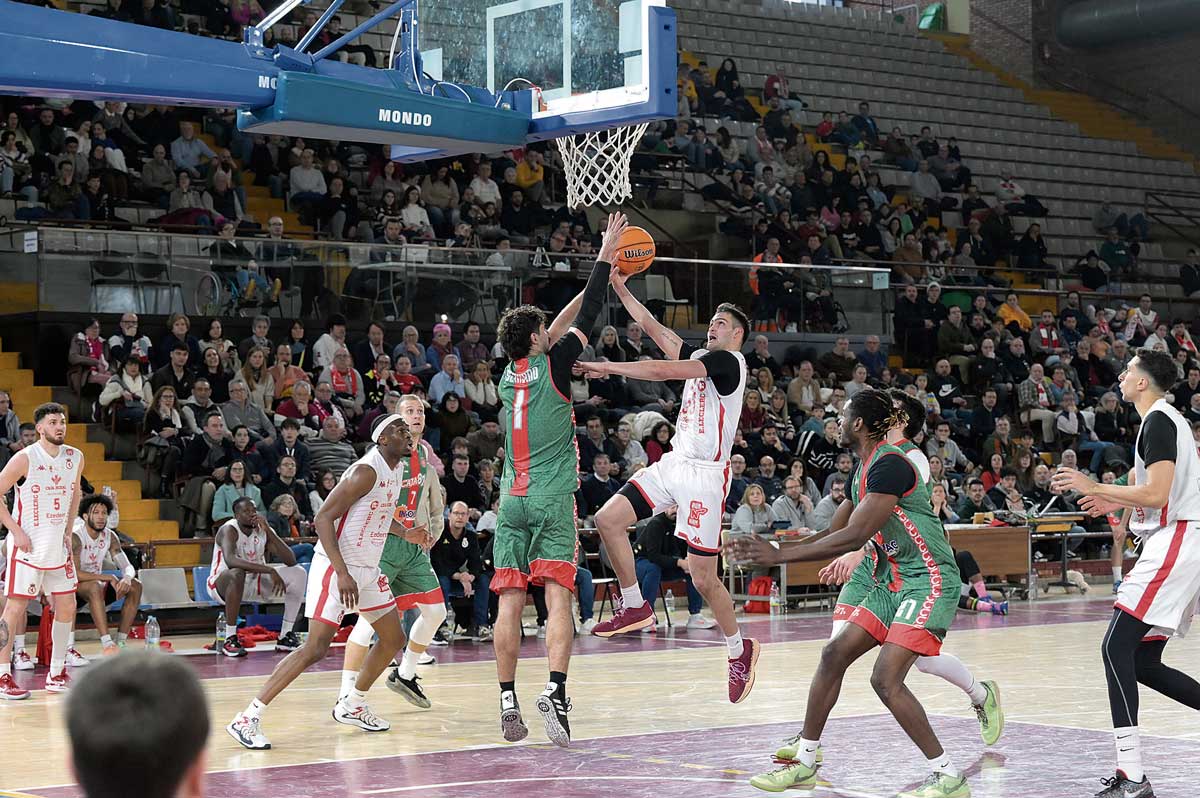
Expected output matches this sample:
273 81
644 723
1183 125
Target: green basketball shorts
535 542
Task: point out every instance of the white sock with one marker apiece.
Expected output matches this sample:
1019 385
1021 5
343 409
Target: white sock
951 668
356 697
807 753
1118 574
631 596
1129 752
60 631
71 639
18 642
942 764
255 710
122 637
408 665
348 680
5 669
106 641
286 626
734 642
230 632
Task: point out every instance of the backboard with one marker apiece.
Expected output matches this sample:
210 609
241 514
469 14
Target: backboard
597 62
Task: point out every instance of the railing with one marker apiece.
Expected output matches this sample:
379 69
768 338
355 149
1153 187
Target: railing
1159 206
107 270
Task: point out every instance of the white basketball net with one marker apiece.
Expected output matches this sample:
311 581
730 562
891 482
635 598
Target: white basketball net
597 165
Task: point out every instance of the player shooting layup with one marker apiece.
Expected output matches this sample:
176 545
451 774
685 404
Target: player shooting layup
39 547
694 475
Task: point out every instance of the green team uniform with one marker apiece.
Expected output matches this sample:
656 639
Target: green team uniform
862 579
407 565
909 604
535 527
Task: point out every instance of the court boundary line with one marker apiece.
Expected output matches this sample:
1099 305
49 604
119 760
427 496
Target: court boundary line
541 743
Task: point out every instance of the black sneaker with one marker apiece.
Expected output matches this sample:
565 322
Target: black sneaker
512 725
408 688
1121 787
554 711
289 642
232 647
441 637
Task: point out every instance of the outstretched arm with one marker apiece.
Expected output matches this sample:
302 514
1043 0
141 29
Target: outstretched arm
584 309
867 519
653 370
667 341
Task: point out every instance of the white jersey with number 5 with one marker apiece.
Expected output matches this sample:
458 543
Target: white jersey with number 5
707 420
43 503
362 531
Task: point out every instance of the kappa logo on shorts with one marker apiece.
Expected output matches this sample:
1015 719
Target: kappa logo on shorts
383 584
695 511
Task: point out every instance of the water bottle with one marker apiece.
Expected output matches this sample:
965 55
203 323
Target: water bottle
451 623
776 601
219 638
1033 584
153 633
670 602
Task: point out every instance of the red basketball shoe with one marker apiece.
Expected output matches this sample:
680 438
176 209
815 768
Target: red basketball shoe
626 620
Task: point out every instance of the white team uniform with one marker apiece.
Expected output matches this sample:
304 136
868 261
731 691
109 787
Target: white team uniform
361 533
1162 588
695 474
253 548
92 551
42 505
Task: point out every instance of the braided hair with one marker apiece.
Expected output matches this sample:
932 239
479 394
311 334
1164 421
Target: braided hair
913 409
877 411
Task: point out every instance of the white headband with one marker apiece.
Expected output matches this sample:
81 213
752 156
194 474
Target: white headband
387 422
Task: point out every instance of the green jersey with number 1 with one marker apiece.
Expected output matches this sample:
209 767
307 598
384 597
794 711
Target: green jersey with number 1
539 432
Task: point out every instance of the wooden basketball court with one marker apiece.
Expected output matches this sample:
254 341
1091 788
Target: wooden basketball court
651 719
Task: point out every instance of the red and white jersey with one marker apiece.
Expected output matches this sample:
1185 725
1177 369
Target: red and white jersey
44 501
1183 503
92 550
707 421
362 531
252 548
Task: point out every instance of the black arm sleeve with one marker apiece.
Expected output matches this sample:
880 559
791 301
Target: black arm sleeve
566 351
723 369
1157 441
593 297
892 474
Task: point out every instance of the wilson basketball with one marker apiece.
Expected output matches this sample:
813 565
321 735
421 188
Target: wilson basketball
636 251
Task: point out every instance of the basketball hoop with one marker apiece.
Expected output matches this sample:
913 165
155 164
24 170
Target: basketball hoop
597 165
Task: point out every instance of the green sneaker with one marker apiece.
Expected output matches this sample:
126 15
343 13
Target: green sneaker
791 747
797 775
990 715
940 785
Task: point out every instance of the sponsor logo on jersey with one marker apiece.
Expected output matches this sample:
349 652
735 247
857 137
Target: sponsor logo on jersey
695 511
892 547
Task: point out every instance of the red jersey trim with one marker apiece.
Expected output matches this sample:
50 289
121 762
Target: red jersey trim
410 600
1164 570
508 579
916 639
320 609
870 622
560 571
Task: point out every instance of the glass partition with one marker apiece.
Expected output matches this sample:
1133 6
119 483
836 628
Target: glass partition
111 271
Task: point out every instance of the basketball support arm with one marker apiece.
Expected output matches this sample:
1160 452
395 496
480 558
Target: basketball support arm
287 91
50 53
